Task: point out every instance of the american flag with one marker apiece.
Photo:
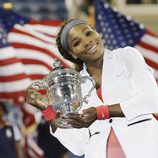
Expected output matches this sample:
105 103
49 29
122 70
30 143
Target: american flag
118 30
27 53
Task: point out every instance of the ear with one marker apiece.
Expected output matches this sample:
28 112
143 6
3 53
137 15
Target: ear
74 56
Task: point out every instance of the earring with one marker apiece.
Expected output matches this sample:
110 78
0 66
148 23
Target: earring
75 57
84 66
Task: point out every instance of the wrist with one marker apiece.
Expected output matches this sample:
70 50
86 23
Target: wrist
49 114
102 112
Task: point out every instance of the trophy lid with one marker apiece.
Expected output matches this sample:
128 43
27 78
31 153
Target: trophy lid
60 74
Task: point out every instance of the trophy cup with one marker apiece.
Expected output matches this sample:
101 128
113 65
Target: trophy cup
65 90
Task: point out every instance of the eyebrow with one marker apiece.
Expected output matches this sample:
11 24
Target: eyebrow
85 29
75 38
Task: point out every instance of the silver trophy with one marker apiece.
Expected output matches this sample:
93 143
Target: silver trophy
65 89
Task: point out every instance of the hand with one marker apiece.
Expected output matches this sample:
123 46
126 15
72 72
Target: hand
38 95
82 120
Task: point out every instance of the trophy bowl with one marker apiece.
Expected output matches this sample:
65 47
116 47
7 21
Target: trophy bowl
65 89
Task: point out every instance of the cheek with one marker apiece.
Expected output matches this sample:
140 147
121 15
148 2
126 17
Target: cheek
100 42
78 50
74 53
98 38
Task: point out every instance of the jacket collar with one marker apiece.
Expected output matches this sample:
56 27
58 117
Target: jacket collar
107 55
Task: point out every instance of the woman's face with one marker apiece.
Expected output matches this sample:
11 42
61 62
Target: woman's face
85 43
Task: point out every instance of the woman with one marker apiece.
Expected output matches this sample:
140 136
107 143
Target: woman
117 122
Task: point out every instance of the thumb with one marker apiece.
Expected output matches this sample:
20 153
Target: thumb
91 110
84 112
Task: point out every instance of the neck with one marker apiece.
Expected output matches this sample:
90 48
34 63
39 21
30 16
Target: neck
95 66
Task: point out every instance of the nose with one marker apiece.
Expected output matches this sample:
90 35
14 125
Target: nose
87 42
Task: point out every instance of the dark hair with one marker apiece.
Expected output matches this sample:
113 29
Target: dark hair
3 106
78 63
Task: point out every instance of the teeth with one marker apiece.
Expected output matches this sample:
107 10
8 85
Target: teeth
91 50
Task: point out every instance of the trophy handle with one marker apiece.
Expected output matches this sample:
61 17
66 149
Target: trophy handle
85 98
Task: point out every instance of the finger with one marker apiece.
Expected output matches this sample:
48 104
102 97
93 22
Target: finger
37 91
32 88
31 97
57 114
31 93
64 117
42 91
75 124
76 118
73 115
37 100
84 112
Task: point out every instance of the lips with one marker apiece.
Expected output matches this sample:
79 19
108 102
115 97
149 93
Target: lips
91 49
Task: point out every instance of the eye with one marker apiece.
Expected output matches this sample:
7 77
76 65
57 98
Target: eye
75 44
88 33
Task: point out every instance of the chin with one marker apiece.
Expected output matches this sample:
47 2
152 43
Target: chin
97 57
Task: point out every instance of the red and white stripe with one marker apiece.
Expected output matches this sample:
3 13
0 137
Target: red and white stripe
30 57
148 46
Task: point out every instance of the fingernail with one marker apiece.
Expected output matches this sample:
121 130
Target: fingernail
42 91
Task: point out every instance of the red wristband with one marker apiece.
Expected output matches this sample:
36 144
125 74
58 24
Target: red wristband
102 112
49 114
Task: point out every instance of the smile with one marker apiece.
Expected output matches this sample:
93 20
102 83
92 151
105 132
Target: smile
92 50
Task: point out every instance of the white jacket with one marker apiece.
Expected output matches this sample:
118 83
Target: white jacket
127 80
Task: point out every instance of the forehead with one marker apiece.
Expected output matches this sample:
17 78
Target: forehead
75 30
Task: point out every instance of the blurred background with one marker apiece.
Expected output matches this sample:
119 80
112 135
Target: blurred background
27 52
144 10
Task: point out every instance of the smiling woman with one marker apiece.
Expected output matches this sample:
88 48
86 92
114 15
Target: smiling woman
117 122
86 45
79 47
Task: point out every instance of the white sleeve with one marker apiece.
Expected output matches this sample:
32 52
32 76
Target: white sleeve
73 139
143 82
17 134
